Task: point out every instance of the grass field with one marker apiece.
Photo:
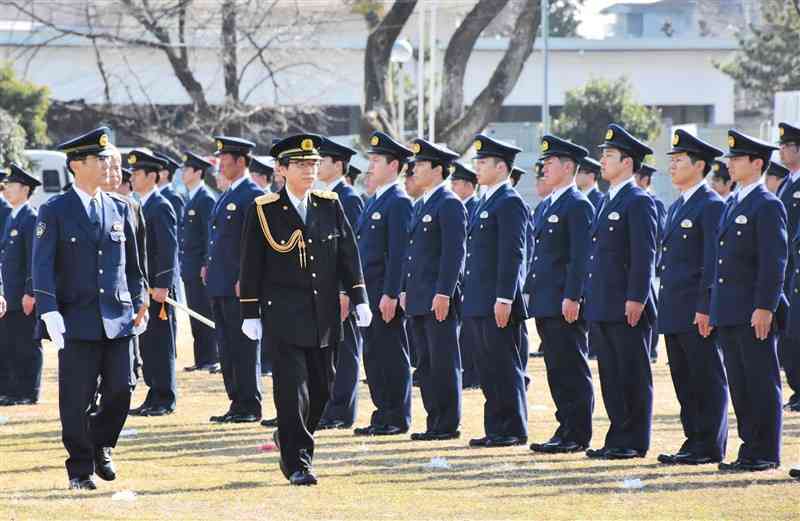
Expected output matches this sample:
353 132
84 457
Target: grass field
182 467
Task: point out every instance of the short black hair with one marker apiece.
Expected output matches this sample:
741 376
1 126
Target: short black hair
694 158
637 162
764 166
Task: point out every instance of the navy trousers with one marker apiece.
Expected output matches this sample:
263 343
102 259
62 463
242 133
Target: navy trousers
302 379
240 357
79 365
388 369
440 384
626 382
789 357
23 356
204 339
698 375
343 405
266 356
157 347
755 386
470 376
505 412
568 377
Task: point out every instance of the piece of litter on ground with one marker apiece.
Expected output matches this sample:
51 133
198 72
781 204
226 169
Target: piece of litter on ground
124 495
437 463
128 433
3 420
267 447
632 484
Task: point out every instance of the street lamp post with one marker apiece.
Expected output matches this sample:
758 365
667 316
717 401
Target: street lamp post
401 53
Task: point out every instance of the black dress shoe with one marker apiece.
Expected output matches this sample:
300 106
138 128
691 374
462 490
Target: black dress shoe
685 458
439 436
84 483
139 411
618 453
559 447
505 441
225 418
546 446
103 464
758 465
422 436
244 418
364 431
671 459
157 411
794 473
333 424
191 368
303 478
387 430
269 422
478 442
597 453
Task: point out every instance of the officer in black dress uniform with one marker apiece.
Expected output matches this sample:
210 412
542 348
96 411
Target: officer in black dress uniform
298 249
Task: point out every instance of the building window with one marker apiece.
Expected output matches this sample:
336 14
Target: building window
635 24
684 114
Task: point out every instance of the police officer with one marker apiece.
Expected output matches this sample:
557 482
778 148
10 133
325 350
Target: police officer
556 282
747 302
543 190
619 296
410 183
88 288
298 250
493 307
157 343
774 179
686 269
17 342
5 358
431 295
239 355
524 349
644 178
789 194
193 254
165 177
464 181
352 175
586 180
382 234
721 181
340 413
262 175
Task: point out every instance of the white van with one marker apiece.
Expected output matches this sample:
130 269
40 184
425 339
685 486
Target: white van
50 168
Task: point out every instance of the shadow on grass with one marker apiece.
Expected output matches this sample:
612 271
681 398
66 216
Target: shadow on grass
40 494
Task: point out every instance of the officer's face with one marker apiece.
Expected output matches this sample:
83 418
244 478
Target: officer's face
141 182
720 186
231 166
425 177
382 170
328 169
543 188
300 174
642 181
612 165
584 180
557 171
790 155
743 170
412 186
773 183
190 176
463 189
16 193
490 171
684 174
114 174
92 169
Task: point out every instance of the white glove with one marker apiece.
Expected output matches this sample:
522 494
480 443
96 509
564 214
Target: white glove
251 327
54 323
363 315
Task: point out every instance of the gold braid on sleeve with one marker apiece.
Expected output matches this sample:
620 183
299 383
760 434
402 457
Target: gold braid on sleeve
295 241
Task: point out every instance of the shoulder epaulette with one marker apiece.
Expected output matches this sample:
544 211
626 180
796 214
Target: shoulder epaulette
325 194
267 198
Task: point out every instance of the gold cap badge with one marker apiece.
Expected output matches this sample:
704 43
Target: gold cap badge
415 148
545 145
478 144
609 134
781 131
675 140
731 142
103 141
374 141
307 144
452 169
716 168
219 145
132 159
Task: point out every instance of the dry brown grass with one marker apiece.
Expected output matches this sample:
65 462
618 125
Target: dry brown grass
182 467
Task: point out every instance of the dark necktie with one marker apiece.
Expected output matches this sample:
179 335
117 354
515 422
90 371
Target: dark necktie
418 209
94 217
675 209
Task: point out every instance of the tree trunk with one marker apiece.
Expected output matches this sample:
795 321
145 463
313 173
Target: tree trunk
376 66
230 64
451 106
486 107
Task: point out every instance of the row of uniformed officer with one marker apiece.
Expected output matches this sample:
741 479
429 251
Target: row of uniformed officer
20 351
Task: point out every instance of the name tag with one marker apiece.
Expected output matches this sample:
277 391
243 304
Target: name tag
741 219
376 216
686 223
484 215
117 227
796 195
552 219
231 207
13 233
191 212
613 216
427 218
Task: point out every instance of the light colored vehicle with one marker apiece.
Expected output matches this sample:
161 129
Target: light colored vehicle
50 168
